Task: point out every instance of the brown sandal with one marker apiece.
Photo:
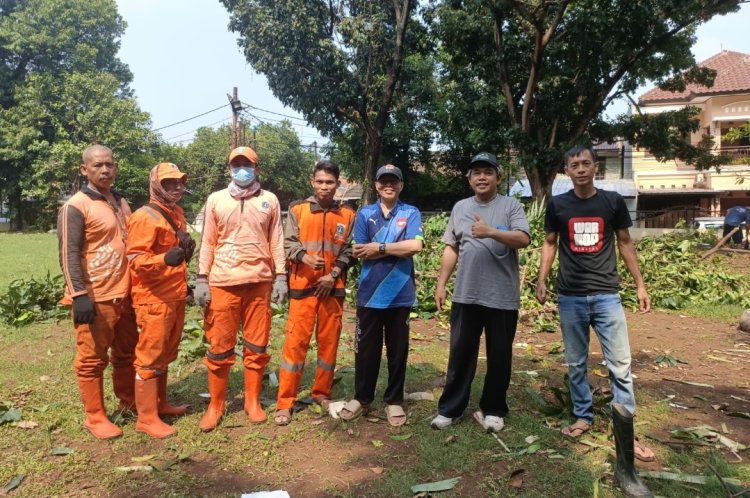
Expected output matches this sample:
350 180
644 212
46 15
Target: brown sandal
576 429
643 452
282 417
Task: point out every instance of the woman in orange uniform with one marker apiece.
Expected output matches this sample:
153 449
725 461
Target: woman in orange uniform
158 253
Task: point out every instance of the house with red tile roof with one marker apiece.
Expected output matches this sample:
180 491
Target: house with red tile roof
668 191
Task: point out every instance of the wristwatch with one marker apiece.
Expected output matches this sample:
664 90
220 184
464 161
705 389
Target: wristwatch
335 273
381 248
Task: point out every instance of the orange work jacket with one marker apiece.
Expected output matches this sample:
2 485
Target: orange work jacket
310 229
149 237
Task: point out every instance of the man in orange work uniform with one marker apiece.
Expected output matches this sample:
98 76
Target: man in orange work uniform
317 240
158 258
241 268
92 234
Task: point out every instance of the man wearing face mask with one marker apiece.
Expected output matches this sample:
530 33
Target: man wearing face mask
159 250
240 269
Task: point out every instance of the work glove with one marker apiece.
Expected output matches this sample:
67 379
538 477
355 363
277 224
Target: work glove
279 291
174 257
202 292
187 244
83 309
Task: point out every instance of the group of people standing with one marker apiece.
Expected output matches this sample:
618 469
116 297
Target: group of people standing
126 281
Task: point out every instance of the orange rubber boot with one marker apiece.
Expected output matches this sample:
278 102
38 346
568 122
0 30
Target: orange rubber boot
165 409
217 388
146 400
92 395
123 383
253 388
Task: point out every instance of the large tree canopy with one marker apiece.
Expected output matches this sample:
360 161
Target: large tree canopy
62 88
338 62
530 78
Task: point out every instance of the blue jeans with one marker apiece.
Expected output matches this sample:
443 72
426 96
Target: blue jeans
604 313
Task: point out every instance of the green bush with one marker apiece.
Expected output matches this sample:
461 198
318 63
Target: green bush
32 300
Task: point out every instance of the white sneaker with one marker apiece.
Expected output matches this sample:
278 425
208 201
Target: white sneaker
493 424
441 422
490 423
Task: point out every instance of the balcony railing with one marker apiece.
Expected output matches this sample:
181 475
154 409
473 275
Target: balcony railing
737 155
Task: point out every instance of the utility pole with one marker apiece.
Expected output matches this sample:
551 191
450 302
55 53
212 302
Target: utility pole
315 150
236 108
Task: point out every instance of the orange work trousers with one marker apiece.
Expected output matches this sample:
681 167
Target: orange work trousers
161 330
114 330
248 305
299 328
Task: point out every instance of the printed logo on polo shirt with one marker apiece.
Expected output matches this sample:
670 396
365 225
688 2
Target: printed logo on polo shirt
340 229
401 222
265 205
586 234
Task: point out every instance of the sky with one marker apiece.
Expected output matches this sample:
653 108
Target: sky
185 61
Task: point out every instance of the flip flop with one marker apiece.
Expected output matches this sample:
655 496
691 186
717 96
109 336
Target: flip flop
282 417
643 452
352 410
396 415
576 429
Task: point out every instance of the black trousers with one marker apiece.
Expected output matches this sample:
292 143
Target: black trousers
372 326
467 323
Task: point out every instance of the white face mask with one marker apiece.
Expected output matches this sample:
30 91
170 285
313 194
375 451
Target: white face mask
243 175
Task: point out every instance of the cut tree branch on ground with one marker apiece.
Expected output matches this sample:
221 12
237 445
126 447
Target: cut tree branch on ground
720 243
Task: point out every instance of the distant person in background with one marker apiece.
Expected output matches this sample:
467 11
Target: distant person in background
737 216
159 250
92 233
241 268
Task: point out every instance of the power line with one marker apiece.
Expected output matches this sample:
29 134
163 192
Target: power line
276 113
193 131
191 118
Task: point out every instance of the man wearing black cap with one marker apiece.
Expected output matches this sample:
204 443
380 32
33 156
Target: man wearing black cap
484 232
386 236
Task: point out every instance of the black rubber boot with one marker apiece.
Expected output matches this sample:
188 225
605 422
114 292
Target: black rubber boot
622 425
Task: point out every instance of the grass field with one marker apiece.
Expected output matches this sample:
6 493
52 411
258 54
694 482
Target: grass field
315 455
27 255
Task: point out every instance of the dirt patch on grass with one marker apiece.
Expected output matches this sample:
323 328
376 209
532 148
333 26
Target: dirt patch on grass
317 456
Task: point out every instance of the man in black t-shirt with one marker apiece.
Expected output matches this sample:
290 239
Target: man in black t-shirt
588 222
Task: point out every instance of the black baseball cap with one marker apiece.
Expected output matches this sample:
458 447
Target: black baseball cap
484 157
389 169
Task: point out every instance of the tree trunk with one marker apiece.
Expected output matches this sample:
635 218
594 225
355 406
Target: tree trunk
373 143
541 183
16 209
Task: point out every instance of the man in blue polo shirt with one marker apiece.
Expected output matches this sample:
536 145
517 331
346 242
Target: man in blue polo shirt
386 236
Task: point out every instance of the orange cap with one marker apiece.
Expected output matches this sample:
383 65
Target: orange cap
167 171
245 152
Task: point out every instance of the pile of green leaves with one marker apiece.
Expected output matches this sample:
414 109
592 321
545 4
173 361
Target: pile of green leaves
32 300
427 264
671 264
676 275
